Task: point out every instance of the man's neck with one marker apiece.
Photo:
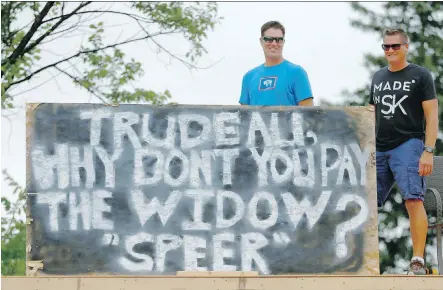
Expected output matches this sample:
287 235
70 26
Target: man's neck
398 66
273 62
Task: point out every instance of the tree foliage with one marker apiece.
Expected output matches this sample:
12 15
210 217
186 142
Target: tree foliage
13 231
98 65
423 22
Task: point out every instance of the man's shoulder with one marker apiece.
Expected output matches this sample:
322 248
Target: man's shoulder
253 71
411 68
418 69
381 72
416 66
293 66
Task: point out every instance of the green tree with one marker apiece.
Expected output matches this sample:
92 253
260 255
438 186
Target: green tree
98 65
13 231
424 23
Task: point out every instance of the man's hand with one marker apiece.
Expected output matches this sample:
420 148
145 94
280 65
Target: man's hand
426 164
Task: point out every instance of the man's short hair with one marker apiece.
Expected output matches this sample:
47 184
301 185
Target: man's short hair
272 24
395 31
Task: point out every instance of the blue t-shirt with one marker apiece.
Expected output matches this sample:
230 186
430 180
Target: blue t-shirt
285 84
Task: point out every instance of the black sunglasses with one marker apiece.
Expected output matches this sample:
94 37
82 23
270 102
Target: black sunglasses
395 46
270 39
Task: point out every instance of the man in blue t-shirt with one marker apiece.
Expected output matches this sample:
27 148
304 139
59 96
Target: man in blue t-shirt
277 82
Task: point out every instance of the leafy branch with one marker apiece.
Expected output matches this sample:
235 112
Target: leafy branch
21 48
13 231
91 51
13 210
21 51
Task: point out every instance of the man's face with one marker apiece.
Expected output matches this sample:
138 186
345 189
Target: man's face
272 42
395 48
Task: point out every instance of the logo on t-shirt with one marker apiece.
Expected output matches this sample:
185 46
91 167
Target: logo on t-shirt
267 83
391 95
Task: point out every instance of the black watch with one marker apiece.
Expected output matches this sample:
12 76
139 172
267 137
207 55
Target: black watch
429 149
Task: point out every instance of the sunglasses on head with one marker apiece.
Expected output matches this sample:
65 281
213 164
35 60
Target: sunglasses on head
395 46
270 39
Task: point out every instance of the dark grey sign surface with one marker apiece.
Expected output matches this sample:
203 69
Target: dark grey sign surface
138 189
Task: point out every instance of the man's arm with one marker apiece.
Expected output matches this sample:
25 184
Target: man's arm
307 102
244 94
302 88
430 109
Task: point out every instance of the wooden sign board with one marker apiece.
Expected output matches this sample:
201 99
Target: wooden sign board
156 190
